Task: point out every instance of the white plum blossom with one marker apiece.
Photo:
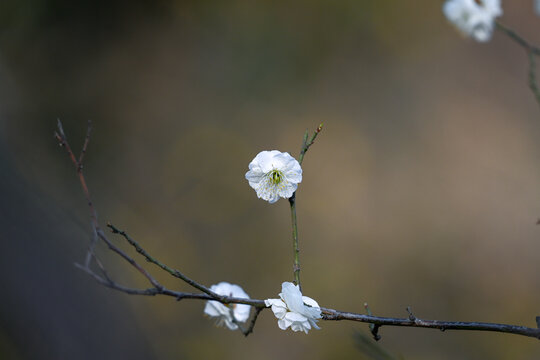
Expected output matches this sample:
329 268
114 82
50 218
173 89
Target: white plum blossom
294 310
274 174
224 313
474 18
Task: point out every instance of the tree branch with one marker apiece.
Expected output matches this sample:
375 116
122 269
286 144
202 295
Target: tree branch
157 289
330 314
531 50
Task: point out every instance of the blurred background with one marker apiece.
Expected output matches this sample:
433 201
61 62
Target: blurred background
422 190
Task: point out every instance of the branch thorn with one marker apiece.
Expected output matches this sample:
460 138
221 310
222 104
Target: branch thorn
411 316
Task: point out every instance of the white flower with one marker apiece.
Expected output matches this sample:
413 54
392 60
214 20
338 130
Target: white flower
473 18
273 174
292 310
224 313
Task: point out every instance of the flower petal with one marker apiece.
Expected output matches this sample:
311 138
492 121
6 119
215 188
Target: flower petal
273 174
292 296
223 313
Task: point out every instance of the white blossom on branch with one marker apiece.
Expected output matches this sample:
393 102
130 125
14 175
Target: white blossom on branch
274 174
294 310
223 313
474 18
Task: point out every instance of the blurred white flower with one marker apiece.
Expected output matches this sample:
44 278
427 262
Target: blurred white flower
224 313
474 18
293 310
274 174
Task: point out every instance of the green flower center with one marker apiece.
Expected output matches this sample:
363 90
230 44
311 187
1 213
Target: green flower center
276 176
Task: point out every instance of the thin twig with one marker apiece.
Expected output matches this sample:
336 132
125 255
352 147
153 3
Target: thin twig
292 202
372 328
249 330
173 272
531 50
306 144
157 288
90 253
533 85
86 140
517 38
61 137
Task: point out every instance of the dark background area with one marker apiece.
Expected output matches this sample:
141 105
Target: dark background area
422 190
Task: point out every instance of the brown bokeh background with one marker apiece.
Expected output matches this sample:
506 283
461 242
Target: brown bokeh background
423 189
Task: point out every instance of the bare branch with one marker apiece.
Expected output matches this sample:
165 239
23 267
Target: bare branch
90 254
249 330
330 314
85 146
517 38
327 314
531 50
61 137
533 85
173 272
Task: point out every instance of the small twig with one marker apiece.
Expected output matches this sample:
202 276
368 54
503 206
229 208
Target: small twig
249 330
157 288
411 315
372 327
292 202
61 137
101 267
517 38
306 144
85 146
531 50
253 321
90 254
533 85
173 272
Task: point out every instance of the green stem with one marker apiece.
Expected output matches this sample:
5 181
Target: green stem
292 201
296 250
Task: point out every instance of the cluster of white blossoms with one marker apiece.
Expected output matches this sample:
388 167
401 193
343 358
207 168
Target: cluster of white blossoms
274 174
294 310
474 18
224 313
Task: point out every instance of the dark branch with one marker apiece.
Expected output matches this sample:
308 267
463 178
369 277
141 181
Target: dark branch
327 314
517 38
157 288
173 272
531 50
85 146
330 314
